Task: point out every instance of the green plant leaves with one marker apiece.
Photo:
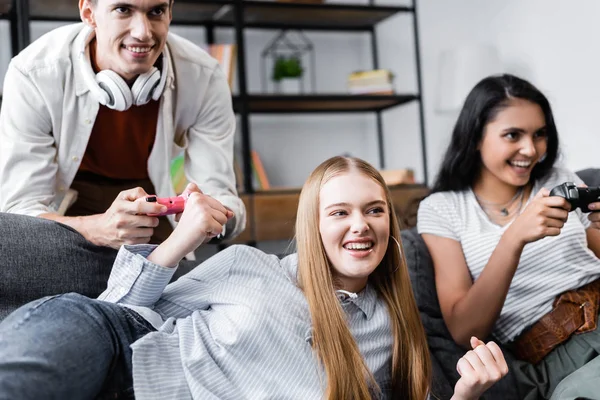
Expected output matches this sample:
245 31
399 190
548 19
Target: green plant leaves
287 67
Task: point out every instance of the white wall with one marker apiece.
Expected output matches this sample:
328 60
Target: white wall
550 42
446 25
559 49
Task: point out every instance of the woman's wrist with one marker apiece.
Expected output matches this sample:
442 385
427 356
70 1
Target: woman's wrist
512 240
168 254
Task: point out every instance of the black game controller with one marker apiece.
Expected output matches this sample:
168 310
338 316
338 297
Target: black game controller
577 196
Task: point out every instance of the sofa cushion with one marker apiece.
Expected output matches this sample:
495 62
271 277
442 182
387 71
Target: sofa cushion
420 269
445 353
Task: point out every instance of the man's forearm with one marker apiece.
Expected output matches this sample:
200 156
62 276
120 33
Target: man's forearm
81 223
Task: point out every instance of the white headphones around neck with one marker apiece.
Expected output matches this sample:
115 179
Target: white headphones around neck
113 92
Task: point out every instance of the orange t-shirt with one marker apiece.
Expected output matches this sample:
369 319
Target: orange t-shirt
121 141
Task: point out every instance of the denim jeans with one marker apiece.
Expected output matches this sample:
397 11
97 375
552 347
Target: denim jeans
68 347
40 258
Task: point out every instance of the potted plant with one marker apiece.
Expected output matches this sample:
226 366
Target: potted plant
287 72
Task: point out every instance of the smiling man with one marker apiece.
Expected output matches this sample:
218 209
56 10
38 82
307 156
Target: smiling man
101 107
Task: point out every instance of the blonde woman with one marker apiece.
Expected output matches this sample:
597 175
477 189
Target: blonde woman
337 320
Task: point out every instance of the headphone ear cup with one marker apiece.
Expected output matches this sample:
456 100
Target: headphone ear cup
144 86
116 88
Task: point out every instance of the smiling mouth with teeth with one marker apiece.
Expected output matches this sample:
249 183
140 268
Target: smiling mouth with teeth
520 164
138 49
359 246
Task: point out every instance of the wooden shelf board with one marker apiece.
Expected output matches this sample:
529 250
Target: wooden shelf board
322 103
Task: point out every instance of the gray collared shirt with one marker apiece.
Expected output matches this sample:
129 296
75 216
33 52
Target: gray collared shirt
235 327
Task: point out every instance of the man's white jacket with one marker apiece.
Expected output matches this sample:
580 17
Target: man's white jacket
48 113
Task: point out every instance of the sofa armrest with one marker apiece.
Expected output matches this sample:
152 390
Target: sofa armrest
590 176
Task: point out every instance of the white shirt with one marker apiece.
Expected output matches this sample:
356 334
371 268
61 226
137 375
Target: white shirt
48 113
547 267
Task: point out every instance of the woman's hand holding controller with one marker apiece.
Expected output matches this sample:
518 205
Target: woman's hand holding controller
594 215
544 216
583 197
202 219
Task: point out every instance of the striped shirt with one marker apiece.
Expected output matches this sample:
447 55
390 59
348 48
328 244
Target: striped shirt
235 327
546 268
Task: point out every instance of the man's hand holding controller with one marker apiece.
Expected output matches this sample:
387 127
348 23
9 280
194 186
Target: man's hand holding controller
202 219
126 221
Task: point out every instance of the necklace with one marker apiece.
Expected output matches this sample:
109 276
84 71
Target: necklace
504 210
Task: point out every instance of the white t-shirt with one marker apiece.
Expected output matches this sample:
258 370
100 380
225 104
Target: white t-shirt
547 267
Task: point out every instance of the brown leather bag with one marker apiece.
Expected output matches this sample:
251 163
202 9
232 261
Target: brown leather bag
574 312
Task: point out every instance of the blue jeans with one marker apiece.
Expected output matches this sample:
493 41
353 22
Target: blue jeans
69 347
41 258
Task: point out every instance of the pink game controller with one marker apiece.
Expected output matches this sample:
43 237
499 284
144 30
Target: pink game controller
175 205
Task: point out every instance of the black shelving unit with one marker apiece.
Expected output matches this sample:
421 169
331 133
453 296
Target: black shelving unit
245 14
251 14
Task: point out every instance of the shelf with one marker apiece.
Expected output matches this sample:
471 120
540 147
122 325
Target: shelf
339 17
322 103
257 14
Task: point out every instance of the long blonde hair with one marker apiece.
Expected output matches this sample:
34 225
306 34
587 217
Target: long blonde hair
347 374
